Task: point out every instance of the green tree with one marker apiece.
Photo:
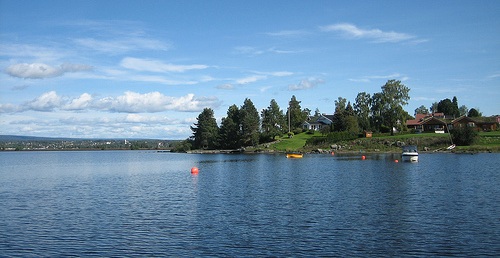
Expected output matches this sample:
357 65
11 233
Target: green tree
205 131
421 110
230 131
474 112
362 110
448 107
250 123
434 107
377 111
456 111
463 110
340 114
295 114
395 95
273 121
463 136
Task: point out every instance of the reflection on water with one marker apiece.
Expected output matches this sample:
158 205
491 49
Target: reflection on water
149 204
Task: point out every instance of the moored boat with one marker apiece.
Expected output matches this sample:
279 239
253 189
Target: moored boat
294 155
409 153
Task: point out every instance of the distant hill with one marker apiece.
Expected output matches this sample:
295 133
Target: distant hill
20 138
16 138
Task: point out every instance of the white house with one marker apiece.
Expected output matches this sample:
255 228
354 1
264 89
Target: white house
317 124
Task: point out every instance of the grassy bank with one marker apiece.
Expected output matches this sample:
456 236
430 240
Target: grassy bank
486 142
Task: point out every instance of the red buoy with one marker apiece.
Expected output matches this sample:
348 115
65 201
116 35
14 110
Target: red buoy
396 160
333 153
363 157
194 170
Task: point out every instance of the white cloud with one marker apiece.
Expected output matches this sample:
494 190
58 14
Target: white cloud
288 33
250 79
226 86
41 70
305 84
148 65
123 45
132 102
129 102
367 79
352 31
80 103
46 102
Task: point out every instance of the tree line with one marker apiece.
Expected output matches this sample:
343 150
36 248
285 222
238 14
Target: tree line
245 126
449 108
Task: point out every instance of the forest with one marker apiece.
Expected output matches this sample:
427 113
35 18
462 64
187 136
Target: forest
381 112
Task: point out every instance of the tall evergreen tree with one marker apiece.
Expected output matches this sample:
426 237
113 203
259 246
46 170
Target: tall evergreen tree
273 121
339 115
250 123
230 131
295 113
206 131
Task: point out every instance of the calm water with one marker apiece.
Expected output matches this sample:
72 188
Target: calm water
127 203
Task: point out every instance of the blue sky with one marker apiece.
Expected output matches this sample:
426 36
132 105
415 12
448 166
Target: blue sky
148 68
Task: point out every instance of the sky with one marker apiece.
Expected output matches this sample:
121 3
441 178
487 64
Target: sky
146 69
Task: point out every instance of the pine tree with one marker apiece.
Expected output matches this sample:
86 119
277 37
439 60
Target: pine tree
250 123
273 121
230 131
206 131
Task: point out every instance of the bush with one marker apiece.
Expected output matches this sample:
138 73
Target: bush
463 136
341 136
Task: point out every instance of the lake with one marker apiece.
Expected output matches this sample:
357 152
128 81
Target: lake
145 203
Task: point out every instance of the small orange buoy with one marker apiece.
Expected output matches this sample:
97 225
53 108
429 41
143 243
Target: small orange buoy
363 157
333 153
396 160
194 170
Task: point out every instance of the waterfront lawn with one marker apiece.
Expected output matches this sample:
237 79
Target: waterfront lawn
292 144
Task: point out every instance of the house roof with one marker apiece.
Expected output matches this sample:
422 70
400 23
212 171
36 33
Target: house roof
425 119
476 120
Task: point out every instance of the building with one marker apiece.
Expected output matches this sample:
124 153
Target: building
438 123
477 123
435 123
317 124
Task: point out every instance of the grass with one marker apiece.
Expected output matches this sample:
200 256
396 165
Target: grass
295 143
487 141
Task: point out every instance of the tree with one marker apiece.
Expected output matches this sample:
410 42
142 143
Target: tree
377 111
230 131
206 131
474 112
250 123
340 114
273 121
463 136
421 110
449 108
434 107
362 110
463 110
395 95
295 113
456 112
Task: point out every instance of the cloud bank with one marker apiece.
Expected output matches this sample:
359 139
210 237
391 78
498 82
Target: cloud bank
129 102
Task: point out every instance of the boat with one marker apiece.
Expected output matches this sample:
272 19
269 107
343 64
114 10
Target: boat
294 155
409 153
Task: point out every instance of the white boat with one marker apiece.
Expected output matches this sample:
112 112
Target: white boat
410 153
